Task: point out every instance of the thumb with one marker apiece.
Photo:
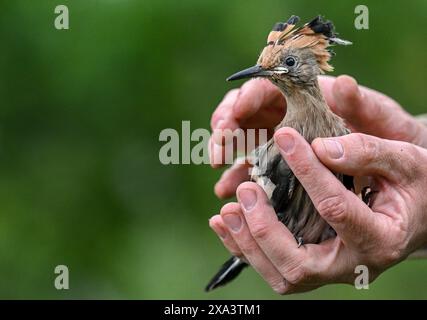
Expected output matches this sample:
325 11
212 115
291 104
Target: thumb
359 154
372 112
342 209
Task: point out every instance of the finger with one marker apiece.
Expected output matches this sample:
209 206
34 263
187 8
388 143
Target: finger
363 155
216 154
310 265
275 240
254 95
217 224
220 155
231 178
326 84
371 112
233 218
257 96
241 139
342 209
239 105
221 230
225 109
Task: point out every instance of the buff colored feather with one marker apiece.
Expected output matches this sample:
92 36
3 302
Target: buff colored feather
318 35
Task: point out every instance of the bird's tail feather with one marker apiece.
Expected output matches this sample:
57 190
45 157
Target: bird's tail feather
229 270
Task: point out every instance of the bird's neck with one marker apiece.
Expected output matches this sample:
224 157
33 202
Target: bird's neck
308 113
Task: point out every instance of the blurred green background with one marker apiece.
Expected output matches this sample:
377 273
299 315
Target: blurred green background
80 116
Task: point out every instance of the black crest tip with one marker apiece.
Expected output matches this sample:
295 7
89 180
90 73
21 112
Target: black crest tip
324 27
279 26
293 20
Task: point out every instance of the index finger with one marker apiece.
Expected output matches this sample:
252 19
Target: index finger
240 104
224 109
255 94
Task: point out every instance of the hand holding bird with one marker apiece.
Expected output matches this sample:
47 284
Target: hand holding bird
292 60
376 237
259 104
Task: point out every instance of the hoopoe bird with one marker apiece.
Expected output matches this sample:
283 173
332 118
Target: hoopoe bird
292 60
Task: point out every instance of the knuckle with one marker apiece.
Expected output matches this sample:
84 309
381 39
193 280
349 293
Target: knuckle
409 158
249 248
333 208
301 167
414 157
403 161
297 274
369 148
260 230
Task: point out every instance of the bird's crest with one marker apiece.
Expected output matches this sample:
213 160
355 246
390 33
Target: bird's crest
317 35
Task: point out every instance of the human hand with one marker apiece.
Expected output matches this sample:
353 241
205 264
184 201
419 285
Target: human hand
378 236
259 104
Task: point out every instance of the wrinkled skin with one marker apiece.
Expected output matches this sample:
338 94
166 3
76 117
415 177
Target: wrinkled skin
388 145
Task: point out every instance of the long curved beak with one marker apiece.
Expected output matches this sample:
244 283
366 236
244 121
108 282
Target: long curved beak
255 71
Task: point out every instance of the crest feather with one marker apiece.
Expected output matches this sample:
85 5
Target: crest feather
317 35
281 28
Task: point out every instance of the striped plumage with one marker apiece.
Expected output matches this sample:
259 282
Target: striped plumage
292 60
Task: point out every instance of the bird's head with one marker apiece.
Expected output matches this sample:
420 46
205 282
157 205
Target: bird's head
294 57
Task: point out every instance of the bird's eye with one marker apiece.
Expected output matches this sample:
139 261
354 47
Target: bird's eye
290 61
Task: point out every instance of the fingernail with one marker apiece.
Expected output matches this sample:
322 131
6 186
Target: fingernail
233 221
248 198
286 143
221 232
333 148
